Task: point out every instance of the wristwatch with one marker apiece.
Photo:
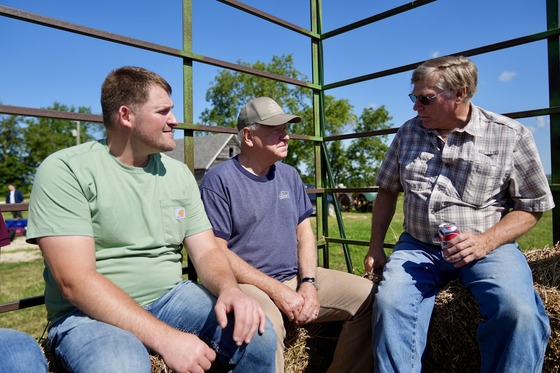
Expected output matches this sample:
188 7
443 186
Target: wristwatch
311 280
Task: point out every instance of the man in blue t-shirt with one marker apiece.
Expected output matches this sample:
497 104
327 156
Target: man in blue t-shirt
260 213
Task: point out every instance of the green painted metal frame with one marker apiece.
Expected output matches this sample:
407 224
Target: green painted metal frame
552 11
324 181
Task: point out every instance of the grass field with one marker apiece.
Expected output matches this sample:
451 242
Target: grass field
21 280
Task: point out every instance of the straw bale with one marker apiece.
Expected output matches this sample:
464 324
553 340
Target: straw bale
452 345
296 355
309 349
545 265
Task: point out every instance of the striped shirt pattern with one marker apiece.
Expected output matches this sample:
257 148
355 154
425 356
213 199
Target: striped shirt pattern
473 179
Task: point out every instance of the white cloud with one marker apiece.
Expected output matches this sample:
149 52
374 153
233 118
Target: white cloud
542 122
506 76
435 54
539 124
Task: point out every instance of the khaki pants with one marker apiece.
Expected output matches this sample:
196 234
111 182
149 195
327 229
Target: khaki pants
343 297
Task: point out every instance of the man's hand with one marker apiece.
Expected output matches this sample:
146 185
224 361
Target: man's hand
248 314
186 353
375 260
466 248
310 309
288 301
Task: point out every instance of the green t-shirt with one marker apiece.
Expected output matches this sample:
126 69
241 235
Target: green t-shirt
137 216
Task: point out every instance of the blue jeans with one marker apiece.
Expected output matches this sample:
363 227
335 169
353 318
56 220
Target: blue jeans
83 344
515 330
20 353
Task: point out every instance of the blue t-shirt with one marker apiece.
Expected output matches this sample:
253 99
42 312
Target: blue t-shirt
258 215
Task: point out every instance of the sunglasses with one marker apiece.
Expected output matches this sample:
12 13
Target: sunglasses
424 100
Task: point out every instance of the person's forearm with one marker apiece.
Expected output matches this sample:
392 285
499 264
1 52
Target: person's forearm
382 214
246 274
215 271
307 250
71 260
510 227
101 300
307 261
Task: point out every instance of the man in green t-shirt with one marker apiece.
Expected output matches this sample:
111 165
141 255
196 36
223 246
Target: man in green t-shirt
111 218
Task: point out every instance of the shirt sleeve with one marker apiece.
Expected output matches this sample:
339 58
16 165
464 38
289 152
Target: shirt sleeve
388 176
4 233
57 205
528 188
216 206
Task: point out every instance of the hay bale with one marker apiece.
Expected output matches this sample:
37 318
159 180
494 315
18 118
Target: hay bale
310 348
296 355
551 300
452 345
545 266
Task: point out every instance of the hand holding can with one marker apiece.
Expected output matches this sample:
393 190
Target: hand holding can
447 232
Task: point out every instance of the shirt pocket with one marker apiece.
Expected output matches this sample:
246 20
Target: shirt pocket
482 181
174 220
416 174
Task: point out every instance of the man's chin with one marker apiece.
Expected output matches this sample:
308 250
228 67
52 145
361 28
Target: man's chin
168 146
282 152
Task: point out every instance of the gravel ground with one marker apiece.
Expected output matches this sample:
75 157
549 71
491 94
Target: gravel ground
19 251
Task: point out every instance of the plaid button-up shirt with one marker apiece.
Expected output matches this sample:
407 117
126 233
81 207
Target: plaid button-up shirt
473 179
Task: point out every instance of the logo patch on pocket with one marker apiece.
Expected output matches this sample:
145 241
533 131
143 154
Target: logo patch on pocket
180 213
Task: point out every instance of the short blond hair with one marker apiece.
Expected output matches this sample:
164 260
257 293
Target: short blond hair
453 74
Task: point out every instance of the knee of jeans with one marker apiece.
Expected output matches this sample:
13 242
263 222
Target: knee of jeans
117 360
265 341
269 334
516 312
132 362
112 350
387 300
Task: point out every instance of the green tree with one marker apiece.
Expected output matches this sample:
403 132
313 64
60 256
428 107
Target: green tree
44 136
26 142
12 168
231 90
366 153
352 162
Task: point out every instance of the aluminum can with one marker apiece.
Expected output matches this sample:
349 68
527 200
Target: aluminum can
447 231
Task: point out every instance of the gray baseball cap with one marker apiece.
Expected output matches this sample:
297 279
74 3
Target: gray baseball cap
266 111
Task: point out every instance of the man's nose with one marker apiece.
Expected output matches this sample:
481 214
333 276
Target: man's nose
417 105
172 122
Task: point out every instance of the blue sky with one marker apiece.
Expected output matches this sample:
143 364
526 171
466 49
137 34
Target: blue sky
40 65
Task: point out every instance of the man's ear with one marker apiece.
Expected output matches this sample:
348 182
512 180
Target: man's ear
125 116
461 94
247 136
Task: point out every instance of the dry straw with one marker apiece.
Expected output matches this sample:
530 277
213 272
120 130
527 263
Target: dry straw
452 343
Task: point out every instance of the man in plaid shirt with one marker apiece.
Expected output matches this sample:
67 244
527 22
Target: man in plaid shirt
456 162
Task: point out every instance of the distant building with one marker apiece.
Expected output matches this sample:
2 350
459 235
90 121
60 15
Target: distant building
208 151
